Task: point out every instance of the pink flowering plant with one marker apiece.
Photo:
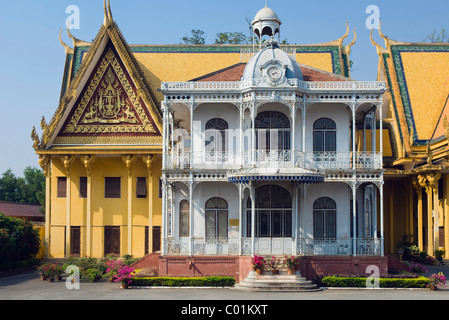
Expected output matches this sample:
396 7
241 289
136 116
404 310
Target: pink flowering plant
113 267
290 262
124 274
437 280
258 262
274 263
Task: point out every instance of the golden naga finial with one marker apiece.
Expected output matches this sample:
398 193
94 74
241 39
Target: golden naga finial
349 46
44 125
345 35
36 139
379 48
66 47
383 36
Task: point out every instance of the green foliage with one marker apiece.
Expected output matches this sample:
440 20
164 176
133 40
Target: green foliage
360 282
18 239
437 37
232 38
196 37
183 282
29 189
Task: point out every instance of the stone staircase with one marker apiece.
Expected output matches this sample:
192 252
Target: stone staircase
281 282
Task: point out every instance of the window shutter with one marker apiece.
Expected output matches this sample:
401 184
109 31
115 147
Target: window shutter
62 187
83 187
141 188
112 187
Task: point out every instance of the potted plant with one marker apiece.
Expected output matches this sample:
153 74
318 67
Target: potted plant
274 264
93 274
124 275
43 270
52 272
258 264
290 262
436 280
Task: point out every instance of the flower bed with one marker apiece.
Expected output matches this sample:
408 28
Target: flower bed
183 282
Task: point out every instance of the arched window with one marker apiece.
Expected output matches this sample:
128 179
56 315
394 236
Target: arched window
216 218
273 212
325 219
272 125
324 135
184 221
216 135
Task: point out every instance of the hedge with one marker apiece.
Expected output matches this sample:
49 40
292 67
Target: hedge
183 282
9 266
359 282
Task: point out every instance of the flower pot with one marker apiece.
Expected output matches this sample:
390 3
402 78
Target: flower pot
259 270
125 285
51 279
274 271
433 288
290 272
43 278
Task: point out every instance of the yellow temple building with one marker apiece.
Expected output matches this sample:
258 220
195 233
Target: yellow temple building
102 150
416 174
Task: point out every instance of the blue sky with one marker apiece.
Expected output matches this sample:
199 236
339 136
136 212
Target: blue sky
31 58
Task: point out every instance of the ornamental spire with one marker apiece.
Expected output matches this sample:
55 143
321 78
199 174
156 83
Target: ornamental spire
107 13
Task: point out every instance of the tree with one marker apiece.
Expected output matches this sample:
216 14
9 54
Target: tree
437 37
29 189
8 187
196 38
232 38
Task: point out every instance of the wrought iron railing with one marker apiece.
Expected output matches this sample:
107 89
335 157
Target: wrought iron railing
324 161
303 247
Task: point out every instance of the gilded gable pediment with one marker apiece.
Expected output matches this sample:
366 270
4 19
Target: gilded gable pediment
109 109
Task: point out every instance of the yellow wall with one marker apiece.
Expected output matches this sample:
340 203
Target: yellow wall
105 212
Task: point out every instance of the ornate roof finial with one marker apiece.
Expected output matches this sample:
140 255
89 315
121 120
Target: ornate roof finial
379 48
66 47
110 12
349 46
382 35
107 13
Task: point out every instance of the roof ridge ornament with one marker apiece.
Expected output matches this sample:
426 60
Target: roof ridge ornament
108 20
67 48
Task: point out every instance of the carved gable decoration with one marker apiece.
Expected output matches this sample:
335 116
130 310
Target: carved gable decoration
109 110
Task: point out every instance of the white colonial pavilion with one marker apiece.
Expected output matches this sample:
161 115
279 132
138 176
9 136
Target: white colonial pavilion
271 164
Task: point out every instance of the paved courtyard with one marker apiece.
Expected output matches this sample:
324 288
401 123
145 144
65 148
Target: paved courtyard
29 286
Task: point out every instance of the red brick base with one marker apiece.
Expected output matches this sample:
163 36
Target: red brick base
239 266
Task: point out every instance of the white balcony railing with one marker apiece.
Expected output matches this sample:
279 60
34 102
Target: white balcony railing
303 247
337 86
324 161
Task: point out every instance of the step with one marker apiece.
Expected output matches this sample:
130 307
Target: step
281 282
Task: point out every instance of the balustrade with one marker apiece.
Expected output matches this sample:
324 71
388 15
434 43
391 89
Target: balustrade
304 247
323 161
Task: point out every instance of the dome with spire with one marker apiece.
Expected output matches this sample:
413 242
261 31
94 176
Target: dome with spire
266 23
